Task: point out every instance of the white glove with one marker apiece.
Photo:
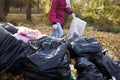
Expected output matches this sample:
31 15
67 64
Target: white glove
55 26
73 15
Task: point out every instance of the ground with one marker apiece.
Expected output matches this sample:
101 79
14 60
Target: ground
109 41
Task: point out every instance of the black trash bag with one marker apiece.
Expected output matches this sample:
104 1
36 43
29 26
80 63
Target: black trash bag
37 44
10 27
10 50
49 62
111 67
78 45
87 70
92 50
15 68
85 45
118 62
107 66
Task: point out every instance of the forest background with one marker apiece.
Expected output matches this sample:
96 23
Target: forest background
102 17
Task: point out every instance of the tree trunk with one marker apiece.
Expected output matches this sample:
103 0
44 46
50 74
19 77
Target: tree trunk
6 7
38 6
28 12
20 8
2 16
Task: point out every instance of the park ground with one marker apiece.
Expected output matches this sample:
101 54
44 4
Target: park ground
110 41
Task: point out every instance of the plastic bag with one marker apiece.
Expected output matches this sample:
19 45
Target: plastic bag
85 45
87 70
49 62
9 27
10 50
26 34
91 49
77 26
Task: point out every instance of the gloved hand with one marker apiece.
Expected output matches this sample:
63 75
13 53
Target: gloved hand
73 15
55 26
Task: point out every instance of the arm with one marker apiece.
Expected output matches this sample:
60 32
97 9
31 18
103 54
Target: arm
52 13
68 10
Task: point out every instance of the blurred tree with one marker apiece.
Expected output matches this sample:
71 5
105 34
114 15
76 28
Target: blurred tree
4 9
38 1
29 5
116 2
18 4
5 6
45 5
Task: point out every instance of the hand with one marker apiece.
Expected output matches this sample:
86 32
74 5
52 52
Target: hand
73 15
55 26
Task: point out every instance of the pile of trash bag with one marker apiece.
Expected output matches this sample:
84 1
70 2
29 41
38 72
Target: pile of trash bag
48 58
89 57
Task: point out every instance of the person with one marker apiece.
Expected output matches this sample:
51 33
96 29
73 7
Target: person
56 15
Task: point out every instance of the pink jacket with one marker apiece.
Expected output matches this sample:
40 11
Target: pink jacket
56 14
